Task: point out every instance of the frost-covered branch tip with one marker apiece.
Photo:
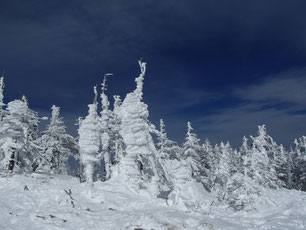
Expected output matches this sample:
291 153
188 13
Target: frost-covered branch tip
139 80
105 102
1 89
189 127
1 95
96 95
104 82
2 81
24 99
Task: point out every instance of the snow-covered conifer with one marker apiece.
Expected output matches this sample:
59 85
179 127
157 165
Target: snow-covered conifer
208 156
245 157
117 142
140 166
192 152
56 145
19 130
208 163
167 148
241 192
299 162
1 96
263 159
283 165
89 143
107 128
224 168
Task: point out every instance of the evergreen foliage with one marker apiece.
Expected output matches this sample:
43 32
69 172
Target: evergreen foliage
57 145
89 144
19 130
192 153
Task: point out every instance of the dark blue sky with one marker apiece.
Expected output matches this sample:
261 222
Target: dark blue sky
226 66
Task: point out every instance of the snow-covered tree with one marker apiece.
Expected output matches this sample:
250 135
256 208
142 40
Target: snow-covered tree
283 165
56 145
186 174
107 129
117 141
1 96
208 156
167 148
299 163
89 143
241 192
140 166
263 159
19 130
245 158
208 163
223 170
192 153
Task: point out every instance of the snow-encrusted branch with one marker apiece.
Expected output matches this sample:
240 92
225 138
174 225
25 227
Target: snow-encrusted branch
1 90
140 78
1 95
96 95
104 98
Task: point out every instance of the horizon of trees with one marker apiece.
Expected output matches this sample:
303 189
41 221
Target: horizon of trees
118 143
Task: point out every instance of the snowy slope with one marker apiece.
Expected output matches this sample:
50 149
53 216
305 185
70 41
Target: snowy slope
39 201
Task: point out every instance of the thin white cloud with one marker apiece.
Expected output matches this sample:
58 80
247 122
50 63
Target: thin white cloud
283 123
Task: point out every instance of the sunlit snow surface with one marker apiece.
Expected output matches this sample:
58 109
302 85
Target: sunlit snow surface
40 201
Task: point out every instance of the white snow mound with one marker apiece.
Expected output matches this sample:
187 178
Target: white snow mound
39 201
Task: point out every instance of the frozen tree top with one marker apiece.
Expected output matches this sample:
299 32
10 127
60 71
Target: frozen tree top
96 95
262 131
189 128
105 102
92 109
117 102
17 107
1 90
55 113
24 99
140 78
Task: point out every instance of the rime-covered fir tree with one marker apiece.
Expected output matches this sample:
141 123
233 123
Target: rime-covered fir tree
107 130
283 166
192 153
245 158
223 170
19 130
208 158
187 175
167 149
89 143
56 145
263 160
299 163
241 192
139 167
209 163
168 153
1 96
30 120
117 142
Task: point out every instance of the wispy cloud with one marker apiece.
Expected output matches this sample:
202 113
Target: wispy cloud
279 102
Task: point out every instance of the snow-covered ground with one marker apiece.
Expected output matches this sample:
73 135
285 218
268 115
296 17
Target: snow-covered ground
39 201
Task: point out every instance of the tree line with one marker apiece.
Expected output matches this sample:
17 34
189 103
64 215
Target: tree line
118 143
